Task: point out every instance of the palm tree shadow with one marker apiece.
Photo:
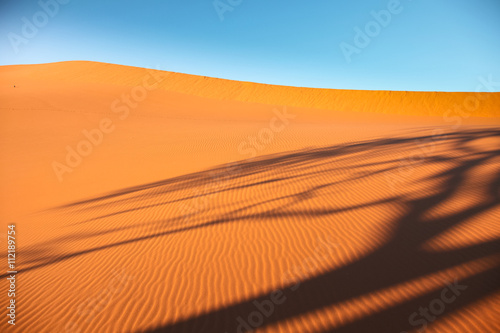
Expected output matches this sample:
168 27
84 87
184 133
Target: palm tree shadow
400 260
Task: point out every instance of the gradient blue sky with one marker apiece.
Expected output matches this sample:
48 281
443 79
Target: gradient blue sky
432 45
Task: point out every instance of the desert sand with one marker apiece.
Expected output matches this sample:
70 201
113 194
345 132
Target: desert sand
152 201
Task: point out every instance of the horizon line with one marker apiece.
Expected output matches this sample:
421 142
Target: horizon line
244 81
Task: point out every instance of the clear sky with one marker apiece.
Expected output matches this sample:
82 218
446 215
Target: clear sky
427 45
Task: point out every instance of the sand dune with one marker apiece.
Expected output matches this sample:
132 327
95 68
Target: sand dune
209 205
387 102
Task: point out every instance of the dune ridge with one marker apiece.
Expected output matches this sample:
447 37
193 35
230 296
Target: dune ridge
337 100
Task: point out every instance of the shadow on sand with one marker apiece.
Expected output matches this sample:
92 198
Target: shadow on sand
399 260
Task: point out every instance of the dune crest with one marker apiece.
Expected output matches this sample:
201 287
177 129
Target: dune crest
480 104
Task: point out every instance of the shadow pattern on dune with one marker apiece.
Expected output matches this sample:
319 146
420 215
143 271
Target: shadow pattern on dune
399 260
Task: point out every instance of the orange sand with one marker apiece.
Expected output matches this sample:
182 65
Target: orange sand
351 210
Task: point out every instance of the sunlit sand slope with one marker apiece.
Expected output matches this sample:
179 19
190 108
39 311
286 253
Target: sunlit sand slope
207 205
390 102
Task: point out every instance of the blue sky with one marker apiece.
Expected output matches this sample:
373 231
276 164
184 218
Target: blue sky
425 45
